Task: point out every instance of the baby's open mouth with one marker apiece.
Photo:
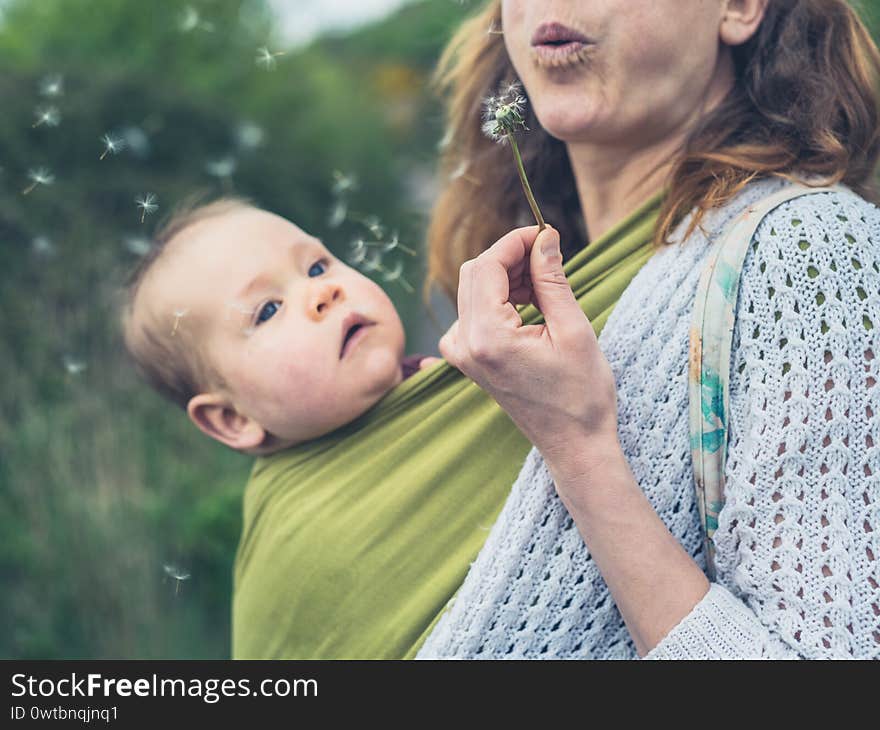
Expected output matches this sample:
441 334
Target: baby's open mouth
354 323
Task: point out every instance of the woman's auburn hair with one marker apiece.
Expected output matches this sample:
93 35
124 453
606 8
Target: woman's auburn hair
804 105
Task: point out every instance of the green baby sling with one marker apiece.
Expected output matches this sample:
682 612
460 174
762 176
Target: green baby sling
354 543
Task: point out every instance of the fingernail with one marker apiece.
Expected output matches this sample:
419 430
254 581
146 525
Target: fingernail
550 244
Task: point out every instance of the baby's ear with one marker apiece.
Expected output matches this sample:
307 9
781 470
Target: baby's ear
217 417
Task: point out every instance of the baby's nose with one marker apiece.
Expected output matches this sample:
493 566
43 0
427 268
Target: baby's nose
324 298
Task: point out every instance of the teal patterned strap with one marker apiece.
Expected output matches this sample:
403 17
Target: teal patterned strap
711 336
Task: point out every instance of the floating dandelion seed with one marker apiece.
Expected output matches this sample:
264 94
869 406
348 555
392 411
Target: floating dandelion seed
48 115
343 183
494 29
244 311
138 245
43 246
358 251
177 573
178 315
445 140
136 140
395 274
460 170
52 85
374 262
222 168
502 118
337 215
74 366
147 204
249 135
112 145
392 274
395 243
191 20
39 176
374 226
266 58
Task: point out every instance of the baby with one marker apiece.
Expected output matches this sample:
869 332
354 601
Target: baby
264 337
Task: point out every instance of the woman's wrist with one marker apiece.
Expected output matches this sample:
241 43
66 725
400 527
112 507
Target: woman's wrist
582 464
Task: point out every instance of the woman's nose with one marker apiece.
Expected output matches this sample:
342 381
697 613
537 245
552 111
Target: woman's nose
324 298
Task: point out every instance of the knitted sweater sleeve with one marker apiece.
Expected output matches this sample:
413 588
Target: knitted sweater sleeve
798 541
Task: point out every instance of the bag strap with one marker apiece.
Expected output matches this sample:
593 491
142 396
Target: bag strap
711 338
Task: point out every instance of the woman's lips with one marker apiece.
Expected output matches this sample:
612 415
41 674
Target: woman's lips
557 33
557 45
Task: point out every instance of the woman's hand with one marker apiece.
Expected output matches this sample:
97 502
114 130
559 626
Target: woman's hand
552 379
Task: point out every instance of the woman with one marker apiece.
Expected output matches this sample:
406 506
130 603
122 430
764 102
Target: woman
718 104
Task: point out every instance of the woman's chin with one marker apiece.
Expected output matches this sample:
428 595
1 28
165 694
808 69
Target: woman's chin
567 129
567 120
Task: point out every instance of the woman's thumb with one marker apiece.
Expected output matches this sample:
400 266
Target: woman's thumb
554 296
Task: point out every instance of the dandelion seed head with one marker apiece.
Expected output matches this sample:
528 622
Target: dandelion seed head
52 85
503 113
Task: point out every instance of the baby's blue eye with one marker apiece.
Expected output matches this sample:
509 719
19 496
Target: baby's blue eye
268 311
322 263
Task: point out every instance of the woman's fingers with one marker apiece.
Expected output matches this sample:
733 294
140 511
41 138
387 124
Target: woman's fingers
493 284
551 290
448 345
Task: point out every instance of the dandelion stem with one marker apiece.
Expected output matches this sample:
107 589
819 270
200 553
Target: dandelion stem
29 188
525 182
104 154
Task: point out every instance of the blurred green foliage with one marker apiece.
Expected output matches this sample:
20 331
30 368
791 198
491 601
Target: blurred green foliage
101 483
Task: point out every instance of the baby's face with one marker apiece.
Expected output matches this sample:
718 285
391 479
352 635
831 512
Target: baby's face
273 311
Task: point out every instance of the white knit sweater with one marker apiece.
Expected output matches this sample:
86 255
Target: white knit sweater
798 541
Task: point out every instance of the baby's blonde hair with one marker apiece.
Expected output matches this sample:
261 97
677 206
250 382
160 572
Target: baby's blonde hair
172 364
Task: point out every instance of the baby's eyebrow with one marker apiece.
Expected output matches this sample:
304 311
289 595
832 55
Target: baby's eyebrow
262 281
